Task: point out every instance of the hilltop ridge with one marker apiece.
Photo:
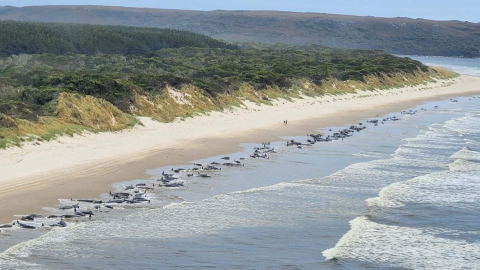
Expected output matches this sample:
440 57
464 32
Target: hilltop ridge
394 35
64 38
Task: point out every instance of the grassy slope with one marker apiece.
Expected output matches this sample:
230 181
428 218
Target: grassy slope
74 113
396 35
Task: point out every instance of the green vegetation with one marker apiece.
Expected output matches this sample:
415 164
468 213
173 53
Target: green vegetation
56 38
45 95
395 35
98 78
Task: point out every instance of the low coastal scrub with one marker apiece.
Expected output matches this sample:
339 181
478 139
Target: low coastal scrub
44 96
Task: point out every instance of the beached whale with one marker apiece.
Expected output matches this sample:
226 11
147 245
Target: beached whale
260 155
132 201
6 225
84 213
89 201
140 195
120 195
169 177
67 207
293 142
31 217
80 213
61 223
138 200
90 213
212 168
26 226
145 188
171 185
236 164
70 216
116 201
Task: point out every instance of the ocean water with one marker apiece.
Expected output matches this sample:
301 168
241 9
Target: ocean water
465 66
401 195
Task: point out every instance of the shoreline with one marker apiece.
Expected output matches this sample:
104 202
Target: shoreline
33 177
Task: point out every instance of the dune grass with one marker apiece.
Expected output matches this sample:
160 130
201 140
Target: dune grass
76 113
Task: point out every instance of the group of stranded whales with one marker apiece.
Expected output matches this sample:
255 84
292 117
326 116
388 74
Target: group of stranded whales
137 194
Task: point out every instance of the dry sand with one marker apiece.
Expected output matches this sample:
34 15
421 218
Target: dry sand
36 176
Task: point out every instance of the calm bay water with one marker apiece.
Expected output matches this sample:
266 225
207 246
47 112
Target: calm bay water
465 66
401 195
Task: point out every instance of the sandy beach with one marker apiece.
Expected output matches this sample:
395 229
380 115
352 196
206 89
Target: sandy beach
36 176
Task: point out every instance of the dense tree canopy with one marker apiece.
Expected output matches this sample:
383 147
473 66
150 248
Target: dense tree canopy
35 80
57 38
395 35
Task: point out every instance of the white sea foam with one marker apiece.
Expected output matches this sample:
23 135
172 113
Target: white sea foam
365 176
382 201
285 204
459 187
461 165
276 205
8 263
372 154
403 247
451 189
467 154
407 162
11 258
470 124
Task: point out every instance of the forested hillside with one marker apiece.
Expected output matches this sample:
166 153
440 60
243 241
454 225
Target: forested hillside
66 78
394 35
44 95
60 38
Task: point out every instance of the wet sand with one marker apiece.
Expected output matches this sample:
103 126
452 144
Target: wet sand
33 177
